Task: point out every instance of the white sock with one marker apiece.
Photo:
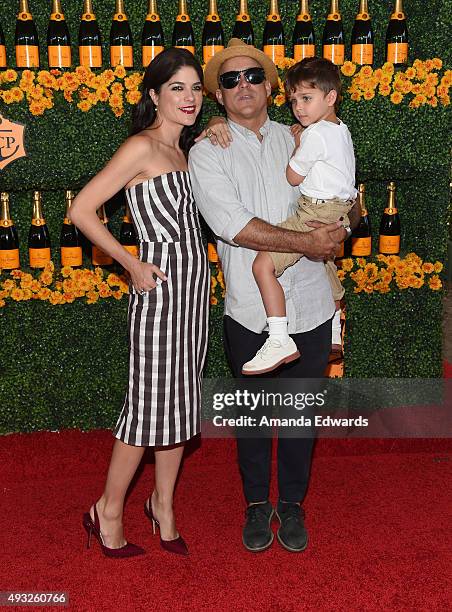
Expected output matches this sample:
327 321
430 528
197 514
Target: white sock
277 329
336 328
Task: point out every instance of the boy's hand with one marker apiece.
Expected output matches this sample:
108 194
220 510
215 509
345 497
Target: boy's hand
296 130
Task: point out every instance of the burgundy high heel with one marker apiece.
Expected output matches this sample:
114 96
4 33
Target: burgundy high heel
177 545
128 550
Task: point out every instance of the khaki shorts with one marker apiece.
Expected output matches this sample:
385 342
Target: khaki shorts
327 211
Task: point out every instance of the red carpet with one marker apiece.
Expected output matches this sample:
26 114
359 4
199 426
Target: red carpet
378 514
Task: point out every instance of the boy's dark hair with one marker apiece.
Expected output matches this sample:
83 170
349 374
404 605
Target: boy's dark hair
316 72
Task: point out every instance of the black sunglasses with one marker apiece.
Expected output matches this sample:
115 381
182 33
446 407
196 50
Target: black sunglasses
254 76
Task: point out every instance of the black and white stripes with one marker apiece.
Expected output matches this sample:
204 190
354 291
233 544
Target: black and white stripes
168 325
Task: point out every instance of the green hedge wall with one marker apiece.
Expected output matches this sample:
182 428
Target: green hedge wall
65 366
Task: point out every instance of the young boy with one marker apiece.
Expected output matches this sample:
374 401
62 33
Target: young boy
323 167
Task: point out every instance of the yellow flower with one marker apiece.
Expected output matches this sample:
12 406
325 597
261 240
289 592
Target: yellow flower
213 300
437 63
340 274
432 78
347 264
56 298
17 294
438 266
361 262
428 64
410 73
117 88
416 282
115 100
388 68
10 76
396 97
46 278
69 285
382 287
104 290
17 94
133 97
117 294
369 94
103 94
356 96
83 73
28 294
44 293
120 72
434 283
366 72
2 303
35 286
7 97
279 100
113 280
98 272
348 68
445 100
385 80
84 106
92 296
68 297
384 90
66 271
428 268
433 102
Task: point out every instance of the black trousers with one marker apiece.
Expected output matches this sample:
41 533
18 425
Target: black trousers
294 454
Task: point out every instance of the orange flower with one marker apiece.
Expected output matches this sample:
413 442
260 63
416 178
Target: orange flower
437 63
347 264
44 293
366 72
117 88
66 271
133 97
68 297
56 298
213 300
103 94
428 268
396 97
438 266
17 294
356 96
117 294
84 106
46 278
410 73
92 296
433 102
120 72
384 90
279 100
435 282
348 68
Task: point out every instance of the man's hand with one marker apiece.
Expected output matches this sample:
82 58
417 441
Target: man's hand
323 242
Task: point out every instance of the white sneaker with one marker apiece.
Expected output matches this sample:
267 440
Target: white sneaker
270 356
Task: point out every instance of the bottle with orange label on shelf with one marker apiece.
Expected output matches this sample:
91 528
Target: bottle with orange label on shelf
152 40
9 240
26 38
333 36
89 38
243 28
389 243
70 244
397 36
362 236
273 41
121 45
363 37
98 256
3 61
38 236
303 34
183 35
212 33
127 235
58 39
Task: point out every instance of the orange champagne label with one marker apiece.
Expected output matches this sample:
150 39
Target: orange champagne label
153 17
120 17
335 53
132 248
363 54
191 49
397 53
27 56
398 16
39 257
361 247
274 52
71 256
210 51
9 259
212 254
274 17
59 56
38 222
2 56
121 56
149 53
100 258
25 17
88 17
391 211
389 245
304 17
302 51
91 57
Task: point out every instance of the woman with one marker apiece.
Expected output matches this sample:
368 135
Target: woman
168 302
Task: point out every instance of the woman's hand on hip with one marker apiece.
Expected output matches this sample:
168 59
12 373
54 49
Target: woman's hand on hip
142 275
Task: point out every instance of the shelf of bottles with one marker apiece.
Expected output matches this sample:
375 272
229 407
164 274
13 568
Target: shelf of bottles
59 48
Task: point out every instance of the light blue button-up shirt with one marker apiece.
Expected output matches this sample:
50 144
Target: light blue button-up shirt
234 185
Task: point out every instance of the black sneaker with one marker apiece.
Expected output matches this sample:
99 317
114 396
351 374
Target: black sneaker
292 534
257 534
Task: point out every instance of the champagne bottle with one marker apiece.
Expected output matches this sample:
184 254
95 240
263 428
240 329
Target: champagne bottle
26 38
212 33
89 39
3 62
9 242
333 36
243 28
362 237
38 236
71 249
363 37
121 46
303 34
183 36
273 38
127 235
389 243
58 39
397 36
152 41
98 256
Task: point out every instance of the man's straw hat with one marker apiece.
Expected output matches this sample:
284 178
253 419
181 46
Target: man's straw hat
238 48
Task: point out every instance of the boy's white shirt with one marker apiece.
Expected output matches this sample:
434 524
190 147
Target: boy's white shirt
326 159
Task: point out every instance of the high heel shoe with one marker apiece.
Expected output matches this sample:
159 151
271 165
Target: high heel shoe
177 545
128 550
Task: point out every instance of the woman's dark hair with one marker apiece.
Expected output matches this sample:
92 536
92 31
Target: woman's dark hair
160 71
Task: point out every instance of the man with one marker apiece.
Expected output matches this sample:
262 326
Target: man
242 193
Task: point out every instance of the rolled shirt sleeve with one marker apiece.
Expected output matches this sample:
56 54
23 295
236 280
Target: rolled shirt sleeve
312 148
215 194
